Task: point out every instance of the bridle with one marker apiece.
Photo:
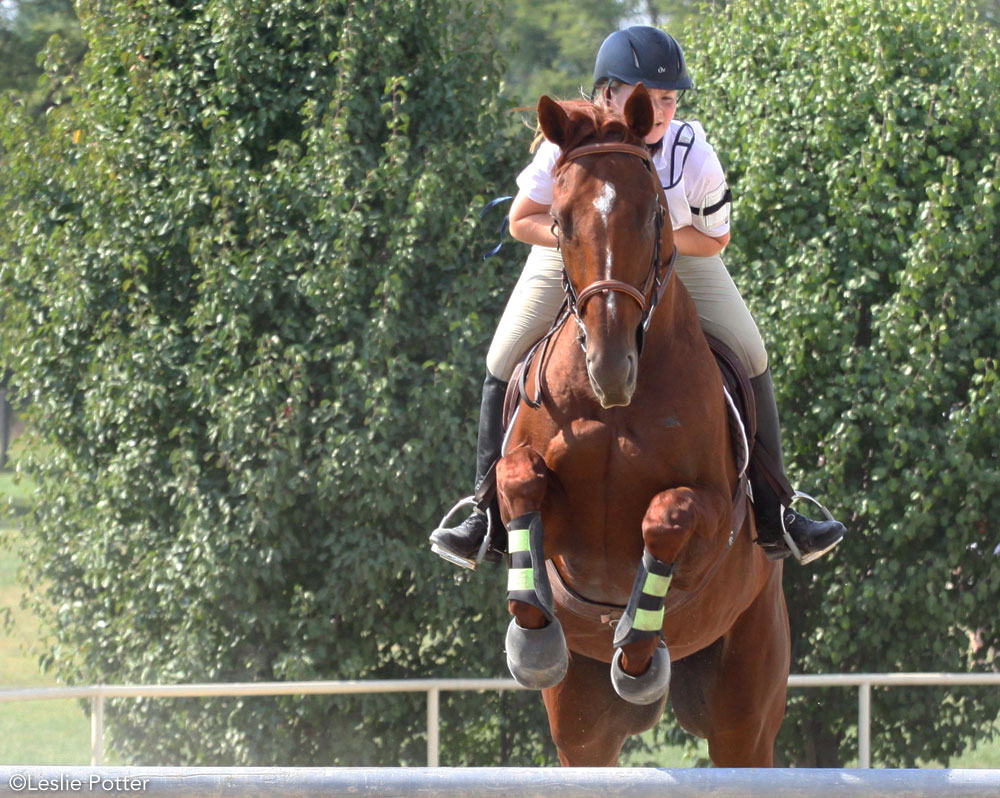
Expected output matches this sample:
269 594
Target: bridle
649 296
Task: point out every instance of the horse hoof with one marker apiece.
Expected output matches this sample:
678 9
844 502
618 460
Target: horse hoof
647 688
537 658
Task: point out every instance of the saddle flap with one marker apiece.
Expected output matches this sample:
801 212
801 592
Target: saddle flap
737 382
513 396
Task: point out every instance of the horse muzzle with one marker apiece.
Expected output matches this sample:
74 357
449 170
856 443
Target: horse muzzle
613 377
609 340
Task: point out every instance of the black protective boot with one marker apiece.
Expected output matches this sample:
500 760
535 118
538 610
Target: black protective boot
460 544
780 529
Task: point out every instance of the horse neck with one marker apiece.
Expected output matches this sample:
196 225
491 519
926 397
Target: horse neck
676 305
675 327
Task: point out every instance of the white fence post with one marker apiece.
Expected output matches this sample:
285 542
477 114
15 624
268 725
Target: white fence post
97 729
865 725
433 727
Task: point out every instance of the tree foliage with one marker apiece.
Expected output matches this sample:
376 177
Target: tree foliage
861 142
243 294
550 45
26 28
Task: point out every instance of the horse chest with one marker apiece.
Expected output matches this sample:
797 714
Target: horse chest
594 454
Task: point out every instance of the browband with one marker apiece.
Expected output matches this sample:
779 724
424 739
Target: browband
603 147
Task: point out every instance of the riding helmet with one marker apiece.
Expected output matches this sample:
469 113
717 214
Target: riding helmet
642 54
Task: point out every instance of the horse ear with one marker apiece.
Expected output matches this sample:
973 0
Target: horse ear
639 111
553 120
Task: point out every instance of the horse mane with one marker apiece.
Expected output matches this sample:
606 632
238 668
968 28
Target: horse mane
591 123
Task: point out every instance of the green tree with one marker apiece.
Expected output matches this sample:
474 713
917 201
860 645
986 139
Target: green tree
550 45
990 11
861 141
244 295
26 27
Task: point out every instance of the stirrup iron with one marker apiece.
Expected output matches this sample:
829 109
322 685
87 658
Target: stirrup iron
464 562
796 553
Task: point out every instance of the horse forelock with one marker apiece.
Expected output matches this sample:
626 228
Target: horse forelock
591 123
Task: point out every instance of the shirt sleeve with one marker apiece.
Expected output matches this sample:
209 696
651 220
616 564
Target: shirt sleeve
709 196
536 179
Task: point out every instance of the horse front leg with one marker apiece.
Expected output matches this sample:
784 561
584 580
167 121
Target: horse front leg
640 670
536 646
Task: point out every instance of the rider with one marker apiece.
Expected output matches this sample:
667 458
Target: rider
698 199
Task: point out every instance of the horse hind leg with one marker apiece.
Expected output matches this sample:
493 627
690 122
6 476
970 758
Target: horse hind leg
747 701
589 723
536 646
733 692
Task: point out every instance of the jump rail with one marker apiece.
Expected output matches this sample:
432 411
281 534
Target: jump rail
434 687
498 782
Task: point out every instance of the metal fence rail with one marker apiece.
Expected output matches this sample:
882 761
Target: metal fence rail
500 782
434 687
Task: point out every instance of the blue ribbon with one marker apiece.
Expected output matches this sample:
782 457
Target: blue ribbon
503 224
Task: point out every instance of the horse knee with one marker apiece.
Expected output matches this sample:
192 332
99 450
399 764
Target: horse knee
669 522
521 481
675 515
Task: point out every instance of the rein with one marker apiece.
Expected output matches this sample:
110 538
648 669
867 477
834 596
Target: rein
654 285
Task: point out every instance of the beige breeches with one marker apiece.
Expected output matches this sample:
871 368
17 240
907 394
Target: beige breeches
538 294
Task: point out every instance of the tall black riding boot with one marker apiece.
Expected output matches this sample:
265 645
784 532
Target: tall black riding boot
798 535
460 544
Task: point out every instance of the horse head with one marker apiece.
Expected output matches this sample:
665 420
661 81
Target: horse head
608 216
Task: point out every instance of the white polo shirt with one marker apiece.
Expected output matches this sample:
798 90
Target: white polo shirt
698 181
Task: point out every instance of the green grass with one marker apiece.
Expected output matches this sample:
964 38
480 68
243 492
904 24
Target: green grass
986 755
31 732
44 733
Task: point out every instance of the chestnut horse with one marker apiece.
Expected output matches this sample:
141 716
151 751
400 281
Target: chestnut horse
618 488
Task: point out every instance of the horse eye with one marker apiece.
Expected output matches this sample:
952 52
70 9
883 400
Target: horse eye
560 224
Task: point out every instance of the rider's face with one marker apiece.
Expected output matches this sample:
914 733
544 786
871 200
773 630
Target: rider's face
664 107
